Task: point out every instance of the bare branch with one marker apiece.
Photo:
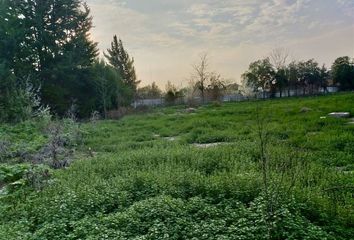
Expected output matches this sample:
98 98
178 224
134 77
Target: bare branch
278 57
202 74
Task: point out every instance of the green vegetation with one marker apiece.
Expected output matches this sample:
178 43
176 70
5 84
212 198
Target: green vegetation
306 77
47 56
279 169
48 59
343 72
144 177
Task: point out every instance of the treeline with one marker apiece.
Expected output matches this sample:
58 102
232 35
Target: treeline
269 76
272 74
48 62
47 58
203 86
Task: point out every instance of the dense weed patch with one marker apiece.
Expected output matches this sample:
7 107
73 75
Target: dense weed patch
129 182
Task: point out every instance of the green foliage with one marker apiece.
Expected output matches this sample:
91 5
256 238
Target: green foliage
57 56
20 140
12 173
18 102
260 75
149 91
133 183
216 87
172 94
108 84
14 178
343 73
40 141
119 58
306 75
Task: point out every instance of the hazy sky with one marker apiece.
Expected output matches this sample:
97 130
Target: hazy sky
167 36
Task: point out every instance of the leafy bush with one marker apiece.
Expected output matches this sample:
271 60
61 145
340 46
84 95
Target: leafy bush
12 173
15 177
164 217
19 103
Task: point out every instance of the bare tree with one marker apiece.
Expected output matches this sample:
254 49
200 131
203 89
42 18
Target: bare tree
202 74
278 57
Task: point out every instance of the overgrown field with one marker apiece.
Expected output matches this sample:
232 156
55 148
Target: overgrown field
156 176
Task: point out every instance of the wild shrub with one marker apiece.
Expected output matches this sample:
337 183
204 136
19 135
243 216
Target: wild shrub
5 150
95 116
19 103
63 136
12 173
18 176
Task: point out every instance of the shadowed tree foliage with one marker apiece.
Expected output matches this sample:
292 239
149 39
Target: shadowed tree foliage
172 93
150 91
343 73
304 75
278 58
293 82
53 50
281 79
119 58
15 91
216 87
324 78
260 75
107 84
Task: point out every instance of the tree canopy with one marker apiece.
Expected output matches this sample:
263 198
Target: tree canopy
119 58
307 76
48 58
150 91
343 72
260 75
51 48
46 45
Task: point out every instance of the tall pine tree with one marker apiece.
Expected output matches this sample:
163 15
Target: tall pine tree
119 58
13 105
55 50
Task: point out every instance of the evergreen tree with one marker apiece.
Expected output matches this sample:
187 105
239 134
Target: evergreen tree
55 50
15 94
119 58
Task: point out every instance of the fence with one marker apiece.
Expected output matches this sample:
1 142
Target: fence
236 97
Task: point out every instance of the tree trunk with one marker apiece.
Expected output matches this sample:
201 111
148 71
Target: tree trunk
202 96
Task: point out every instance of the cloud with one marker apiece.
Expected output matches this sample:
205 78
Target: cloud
165 37
347 7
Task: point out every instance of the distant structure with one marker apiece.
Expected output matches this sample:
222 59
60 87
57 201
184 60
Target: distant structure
233 95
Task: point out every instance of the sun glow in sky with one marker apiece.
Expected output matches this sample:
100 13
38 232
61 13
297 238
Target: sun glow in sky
167 36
